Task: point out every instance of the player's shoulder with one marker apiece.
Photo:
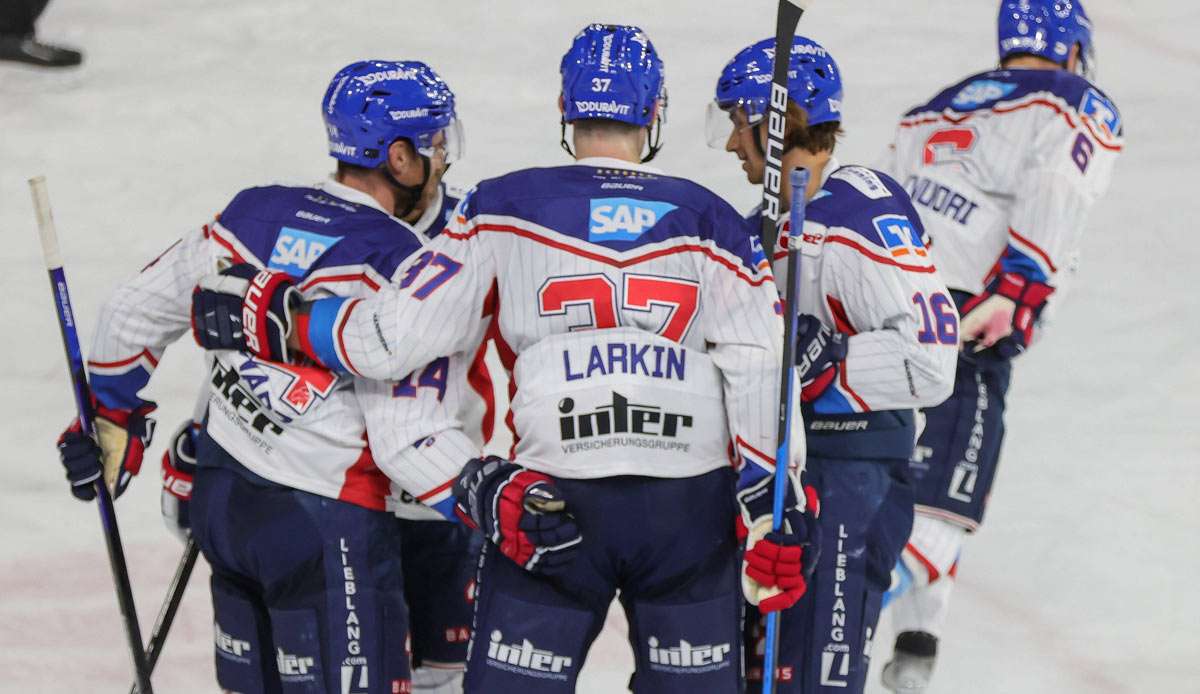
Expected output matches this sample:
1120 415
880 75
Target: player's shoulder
870 212
1005 91
302 229
620 209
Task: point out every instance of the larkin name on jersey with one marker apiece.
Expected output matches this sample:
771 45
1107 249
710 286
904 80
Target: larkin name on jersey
640 318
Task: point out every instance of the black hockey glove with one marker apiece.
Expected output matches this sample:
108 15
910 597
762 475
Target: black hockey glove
520 511
819 354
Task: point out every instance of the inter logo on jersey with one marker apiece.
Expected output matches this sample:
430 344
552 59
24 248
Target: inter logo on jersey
295 250
1102 111
900 236
980 92
624 219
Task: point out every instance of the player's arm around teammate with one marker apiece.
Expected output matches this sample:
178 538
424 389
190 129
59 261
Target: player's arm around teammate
646 337
878 336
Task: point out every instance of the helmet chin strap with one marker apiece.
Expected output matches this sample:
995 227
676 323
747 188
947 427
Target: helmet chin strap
653 139
412 194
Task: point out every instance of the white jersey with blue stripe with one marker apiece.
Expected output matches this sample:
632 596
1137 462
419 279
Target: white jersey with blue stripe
302 426
1004 167
865 272
638 315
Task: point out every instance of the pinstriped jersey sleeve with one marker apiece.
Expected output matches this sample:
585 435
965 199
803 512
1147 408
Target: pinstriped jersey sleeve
1065 171
435 308
743 326
142 317
896 358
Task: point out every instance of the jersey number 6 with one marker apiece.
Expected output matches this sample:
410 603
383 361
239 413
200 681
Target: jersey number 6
641 293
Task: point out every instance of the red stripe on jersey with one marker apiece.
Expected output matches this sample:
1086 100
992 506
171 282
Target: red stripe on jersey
364 485
1035 248
360 277
237 257
846 387
929 567
878 258
338 334
766 458
154 262
436 490
914 121
480 380
508 358
144 354
841 320
534 236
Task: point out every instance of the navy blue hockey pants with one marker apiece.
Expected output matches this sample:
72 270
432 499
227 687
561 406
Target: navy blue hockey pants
668 547
866 517
307 591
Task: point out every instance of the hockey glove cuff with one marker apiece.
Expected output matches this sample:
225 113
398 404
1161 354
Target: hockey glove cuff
178 473
245 309
520 511
819 354
115 451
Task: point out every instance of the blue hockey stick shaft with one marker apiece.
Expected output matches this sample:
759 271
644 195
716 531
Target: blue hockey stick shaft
83 406
783 456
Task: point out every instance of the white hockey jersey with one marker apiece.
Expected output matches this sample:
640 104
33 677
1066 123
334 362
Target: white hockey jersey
301 426
865 272
637 313
1004 167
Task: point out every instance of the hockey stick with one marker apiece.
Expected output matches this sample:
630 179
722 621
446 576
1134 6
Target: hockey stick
786 20
83 405
783 456
166 613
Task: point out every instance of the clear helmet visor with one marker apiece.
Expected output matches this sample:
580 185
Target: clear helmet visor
720 123
450 142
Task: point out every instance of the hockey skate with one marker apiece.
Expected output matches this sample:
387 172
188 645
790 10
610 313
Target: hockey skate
911 666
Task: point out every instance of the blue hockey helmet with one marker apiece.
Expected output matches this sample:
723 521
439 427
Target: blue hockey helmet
1047 29
372 103
814 83
612 72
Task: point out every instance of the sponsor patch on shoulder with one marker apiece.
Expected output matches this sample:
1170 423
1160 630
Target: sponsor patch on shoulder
980 92
1102 111
865 180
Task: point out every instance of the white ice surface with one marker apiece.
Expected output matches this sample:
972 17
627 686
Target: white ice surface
1083 579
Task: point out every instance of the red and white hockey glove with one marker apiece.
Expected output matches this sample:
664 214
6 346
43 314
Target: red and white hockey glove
245 309
777 566
178 473
1005 314
819 355
120 441
520 511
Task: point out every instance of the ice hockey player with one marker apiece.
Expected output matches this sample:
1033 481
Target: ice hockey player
878 337
644 334
1003 166
289 499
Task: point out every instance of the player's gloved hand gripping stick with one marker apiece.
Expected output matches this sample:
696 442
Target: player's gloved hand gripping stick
83 405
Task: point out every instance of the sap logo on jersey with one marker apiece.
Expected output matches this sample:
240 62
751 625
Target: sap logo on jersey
624 219
980 92
295 250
